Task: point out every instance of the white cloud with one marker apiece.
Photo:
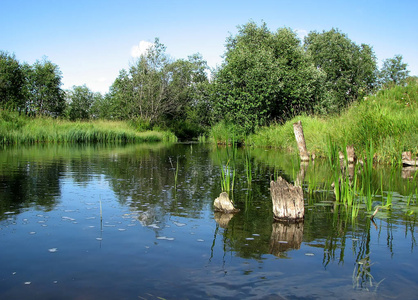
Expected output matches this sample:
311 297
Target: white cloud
138 50
302 33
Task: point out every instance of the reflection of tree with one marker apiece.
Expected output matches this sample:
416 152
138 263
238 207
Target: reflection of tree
30 182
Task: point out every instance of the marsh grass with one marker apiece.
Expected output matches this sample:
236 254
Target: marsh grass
15 129
390 117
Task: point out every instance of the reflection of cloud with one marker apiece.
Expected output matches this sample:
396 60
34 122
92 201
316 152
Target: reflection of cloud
141 48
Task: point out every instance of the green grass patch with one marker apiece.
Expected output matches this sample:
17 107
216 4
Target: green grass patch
389 118
15 129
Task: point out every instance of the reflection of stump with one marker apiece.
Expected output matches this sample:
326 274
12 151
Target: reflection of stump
300 139
287 200
224 204
285 236
223 219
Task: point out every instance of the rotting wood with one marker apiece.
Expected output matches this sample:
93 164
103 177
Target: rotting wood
408 161
300 139
288 204
224 204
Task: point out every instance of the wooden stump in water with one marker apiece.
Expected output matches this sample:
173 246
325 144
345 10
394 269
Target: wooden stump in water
300 139
287 200
224 204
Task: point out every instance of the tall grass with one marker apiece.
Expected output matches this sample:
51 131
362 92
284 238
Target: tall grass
390 117
15 129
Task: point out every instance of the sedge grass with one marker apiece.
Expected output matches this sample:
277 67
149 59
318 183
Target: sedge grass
15 129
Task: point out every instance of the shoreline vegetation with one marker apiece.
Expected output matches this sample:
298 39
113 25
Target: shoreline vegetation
20 129
388 118
268 80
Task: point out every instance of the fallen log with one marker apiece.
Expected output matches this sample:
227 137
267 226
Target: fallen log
288 204
408 161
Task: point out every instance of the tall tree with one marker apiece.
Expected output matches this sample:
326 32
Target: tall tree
156 88
44 93
80 100
12 80
350 69
394 71
266 76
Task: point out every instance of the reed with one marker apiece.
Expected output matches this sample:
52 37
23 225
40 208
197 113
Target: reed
176 172
15 129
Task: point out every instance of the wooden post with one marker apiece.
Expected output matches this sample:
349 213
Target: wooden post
224 204
300 139
287 200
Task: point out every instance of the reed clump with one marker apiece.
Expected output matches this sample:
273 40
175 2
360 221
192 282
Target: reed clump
19 129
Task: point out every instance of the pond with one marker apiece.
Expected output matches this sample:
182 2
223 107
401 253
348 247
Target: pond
137 222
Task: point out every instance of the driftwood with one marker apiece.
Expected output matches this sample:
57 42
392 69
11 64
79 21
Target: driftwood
288 204
285 236
300 139
224 204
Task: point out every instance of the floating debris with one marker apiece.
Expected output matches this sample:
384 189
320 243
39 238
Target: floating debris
178 224
66 218
121 229
27 282
154 226
52 250
309 254
200 240
250 239
282 242
99 238
256 234
9 212
32 232
165 238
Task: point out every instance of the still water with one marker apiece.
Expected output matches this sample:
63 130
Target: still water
116 222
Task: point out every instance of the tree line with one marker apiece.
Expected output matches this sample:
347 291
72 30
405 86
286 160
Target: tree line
265 77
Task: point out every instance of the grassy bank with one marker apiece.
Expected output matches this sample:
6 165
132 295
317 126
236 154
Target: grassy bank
15 129
389 119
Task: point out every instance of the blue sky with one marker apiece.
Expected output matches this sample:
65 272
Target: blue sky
91 41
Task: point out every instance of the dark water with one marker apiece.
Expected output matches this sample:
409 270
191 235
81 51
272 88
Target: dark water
160 239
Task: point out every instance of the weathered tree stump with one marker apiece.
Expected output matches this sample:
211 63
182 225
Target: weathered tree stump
407 159
300 139
287 200
284 237
224 204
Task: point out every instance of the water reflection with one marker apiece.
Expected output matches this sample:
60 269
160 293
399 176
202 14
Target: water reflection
153 215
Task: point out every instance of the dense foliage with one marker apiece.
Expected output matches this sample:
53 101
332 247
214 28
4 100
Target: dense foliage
266 78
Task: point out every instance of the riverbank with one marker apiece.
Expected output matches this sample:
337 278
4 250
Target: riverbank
389 119
15 129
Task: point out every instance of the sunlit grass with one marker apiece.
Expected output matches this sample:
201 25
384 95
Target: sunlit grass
15 129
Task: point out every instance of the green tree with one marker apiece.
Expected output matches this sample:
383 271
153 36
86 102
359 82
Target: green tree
266 76
80 100
393 72
157 89
350 69
44 93
12 81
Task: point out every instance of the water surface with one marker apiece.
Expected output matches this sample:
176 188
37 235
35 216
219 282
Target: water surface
111 222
